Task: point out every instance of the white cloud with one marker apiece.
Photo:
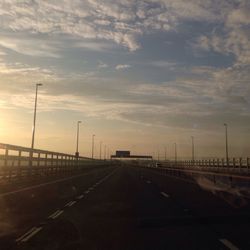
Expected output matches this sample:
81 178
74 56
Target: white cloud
234 37
118 21
122 66
163 64
102 65
31 47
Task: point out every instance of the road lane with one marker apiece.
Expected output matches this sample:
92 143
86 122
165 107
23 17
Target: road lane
125 211
20 211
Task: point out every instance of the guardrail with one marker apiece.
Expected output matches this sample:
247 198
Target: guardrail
232 165
16 161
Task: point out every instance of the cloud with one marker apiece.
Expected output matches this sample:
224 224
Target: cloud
102 65
32 47
163 64
118 21
234 36
122 66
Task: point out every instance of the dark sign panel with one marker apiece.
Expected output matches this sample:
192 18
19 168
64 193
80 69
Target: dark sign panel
122 153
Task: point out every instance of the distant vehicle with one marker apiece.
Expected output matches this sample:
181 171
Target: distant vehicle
157 164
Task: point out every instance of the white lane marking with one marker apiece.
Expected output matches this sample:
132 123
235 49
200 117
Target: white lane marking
149 182
33 233
86 192
24 235
165 195
68 203
80 197
45 184
52 215
57 215
72 203
229 244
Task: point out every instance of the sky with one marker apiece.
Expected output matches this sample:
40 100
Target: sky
140 74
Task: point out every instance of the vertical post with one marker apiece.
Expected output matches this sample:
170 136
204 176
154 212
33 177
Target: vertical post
77 139
100 150
105 147
19 163
192 139
165 153
226 135
93 145
34 119
175 153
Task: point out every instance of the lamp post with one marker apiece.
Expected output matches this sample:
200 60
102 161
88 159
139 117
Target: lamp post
77 138
93 145
175 153
34 119
192 139
226 135
100 150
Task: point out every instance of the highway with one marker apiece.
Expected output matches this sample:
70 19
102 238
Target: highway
122 207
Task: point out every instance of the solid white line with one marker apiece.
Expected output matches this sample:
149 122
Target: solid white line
24 235
229 244
72 203
37 230
165 195
57 215
52 215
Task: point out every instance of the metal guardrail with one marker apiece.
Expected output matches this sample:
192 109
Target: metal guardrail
16 161
233 165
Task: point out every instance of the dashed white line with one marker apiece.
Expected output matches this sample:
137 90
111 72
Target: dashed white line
31 233
68 203
57 215
52 215
86 192
90 189
43 184
229 244
72 203
24 235
80 197
164 194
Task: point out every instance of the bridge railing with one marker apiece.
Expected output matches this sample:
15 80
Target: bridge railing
215 164
16 161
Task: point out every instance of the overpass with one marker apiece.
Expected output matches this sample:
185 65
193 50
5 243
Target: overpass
51 200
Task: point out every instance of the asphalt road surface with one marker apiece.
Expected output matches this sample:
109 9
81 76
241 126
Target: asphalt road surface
122 208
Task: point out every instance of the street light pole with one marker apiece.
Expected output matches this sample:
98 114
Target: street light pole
93 144
100 150
77 138
34 120
226 135
175 153
192 138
